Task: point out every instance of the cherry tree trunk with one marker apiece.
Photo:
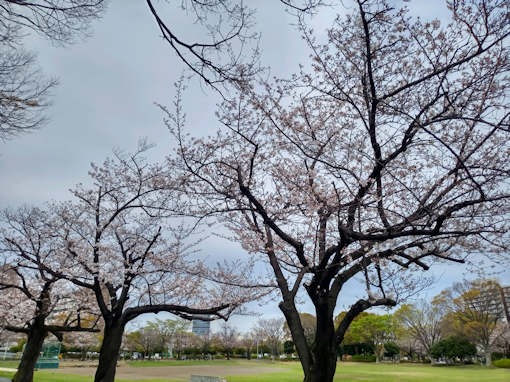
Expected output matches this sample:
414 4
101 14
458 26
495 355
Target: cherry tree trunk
324 348
32 351
109 353
319 360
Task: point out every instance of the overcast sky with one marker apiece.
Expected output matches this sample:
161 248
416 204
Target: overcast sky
105 99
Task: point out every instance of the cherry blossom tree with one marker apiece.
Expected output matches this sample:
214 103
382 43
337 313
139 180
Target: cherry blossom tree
230 53
249 342
116 240
82 342
32 300
388 154
228 337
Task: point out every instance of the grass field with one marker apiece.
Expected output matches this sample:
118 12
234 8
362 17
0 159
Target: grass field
291 372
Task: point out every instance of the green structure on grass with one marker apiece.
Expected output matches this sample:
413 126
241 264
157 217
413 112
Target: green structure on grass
49 356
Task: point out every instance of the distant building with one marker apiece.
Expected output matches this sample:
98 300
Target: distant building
201 328
496 301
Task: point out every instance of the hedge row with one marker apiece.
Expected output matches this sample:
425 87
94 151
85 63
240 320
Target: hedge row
503 362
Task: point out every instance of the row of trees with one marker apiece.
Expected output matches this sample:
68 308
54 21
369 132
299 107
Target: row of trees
476 311
99 261
469 315
160 336
472 311
384 154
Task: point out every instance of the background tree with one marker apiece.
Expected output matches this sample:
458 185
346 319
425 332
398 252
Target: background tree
150 341
132 342
228 338
288 347
309 323
33 301
249 342
475 313
351 344
169 330
271 331
82 342
182 337
452 348
376 330
24 92
61 21
389 154
423 321
18 348
391 349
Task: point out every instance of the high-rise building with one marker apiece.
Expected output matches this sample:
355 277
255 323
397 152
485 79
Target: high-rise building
496 300
201 327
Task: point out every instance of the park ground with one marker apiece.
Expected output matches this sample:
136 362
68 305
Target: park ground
260 371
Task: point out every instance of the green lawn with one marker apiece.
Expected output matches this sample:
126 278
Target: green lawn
354 371
9 364
346 371
46 376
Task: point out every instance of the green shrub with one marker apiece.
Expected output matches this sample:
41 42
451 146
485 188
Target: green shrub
452 348
497 355
503 362
363 358
391 349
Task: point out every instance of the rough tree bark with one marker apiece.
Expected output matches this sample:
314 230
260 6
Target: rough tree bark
109 353
35 340
324 348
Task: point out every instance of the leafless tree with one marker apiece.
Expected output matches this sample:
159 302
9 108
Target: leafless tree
423 322
249 342
24 92
271 330
61 21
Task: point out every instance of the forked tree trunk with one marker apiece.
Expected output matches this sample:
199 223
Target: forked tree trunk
32 351
109 353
